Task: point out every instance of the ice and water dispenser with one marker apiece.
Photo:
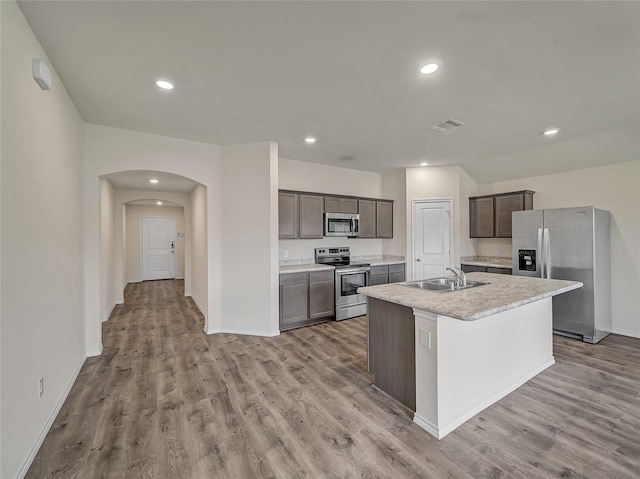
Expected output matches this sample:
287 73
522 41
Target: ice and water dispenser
527 259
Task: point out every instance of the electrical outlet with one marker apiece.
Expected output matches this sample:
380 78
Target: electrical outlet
40 387
425 338
286 253
498 251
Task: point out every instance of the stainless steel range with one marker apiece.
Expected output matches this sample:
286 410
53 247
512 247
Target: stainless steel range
349 277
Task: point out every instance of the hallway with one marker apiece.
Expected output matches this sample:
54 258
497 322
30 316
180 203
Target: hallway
166 401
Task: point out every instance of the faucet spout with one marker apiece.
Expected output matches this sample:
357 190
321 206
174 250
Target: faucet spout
461 277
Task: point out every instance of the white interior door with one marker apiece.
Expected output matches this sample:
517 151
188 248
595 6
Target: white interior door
432 233
157 248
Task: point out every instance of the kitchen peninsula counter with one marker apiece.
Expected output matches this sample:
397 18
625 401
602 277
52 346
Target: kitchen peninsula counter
449 355
502 293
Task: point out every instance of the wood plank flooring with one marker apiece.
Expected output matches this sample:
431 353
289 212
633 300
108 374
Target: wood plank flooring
166 401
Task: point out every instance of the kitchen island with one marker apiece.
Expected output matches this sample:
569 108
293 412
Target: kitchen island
449 355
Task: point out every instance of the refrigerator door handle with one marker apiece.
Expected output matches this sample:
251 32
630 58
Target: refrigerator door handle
540 253
547 253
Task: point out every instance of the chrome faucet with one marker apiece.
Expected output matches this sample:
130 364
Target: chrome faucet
461 278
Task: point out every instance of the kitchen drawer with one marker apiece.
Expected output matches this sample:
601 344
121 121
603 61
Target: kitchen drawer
376 270
396 268
292 278
321 275
378 279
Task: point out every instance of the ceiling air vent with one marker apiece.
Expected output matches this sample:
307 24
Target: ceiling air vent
446 126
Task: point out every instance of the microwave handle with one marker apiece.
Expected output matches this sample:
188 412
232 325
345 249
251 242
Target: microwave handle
357 225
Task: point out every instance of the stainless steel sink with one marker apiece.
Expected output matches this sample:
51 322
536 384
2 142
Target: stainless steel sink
442 285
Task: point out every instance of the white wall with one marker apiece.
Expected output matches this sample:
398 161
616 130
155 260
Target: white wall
441 182
199 249
249 244
304 176
132 239
394 187
107 250
41 248
615 188
110 150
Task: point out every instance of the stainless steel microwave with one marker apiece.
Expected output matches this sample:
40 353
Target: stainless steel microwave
341 224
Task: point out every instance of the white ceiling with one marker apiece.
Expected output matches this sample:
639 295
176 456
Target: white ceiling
139 180
347 73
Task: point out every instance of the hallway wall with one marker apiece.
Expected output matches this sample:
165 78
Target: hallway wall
41 249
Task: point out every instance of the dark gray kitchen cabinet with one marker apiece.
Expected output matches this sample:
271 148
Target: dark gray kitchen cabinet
472 268
384 274
311 208
384 219
294 300
396 273
490 215
507 204
378 275
306 298
391 349
334 204
367 212
287 215
481 217
321 291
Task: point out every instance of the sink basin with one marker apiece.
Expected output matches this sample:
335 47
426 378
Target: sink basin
442 284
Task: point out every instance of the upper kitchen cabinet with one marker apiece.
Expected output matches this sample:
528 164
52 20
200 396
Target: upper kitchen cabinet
507 204
481 217
310 218
334 204
367 212
490 215
287 215
384 219
299 215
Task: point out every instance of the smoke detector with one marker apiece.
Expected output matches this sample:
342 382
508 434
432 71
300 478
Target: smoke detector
446 126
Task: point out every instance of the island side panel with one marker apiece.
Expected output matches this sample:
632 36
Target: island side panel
391 350
476 363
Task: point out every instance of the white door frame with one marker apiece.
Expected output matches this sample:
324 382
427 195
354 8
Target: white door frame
413 227
175 248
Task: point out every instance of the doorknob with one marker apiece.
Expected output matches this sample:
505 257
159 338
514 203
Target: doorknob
418 260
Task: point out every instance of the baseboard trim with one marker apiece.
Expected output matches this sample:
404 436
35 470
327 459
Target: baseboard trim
441 431
94 353
244 332
624 332
108 315
43 434
195 300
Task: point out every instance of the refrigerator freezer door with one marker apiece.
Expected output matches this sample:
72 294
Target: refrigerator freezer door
570 253
526 249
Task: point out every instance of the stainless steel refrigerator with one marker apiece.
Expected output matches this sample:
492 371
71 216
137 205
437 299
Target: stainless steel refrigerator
571 244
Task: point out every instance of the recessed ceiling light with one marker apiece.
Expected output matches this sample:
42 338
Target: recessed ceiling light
165 85
158 203
429 68
424 163
551 131
154 181
310 139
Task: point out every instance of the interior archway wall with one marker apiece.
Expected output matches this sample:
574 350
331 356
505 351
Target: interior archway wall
111 150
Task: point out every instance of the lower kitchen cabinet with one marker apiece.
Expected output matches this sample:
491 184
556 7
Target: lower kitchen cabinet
383 274
471 268
306 298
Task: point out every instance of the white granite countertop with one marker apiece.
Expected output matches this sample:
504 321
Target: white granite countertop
303 268
503 292
488 261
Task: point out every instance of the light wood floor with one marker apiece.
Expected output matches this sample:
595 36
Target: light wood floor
166 401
